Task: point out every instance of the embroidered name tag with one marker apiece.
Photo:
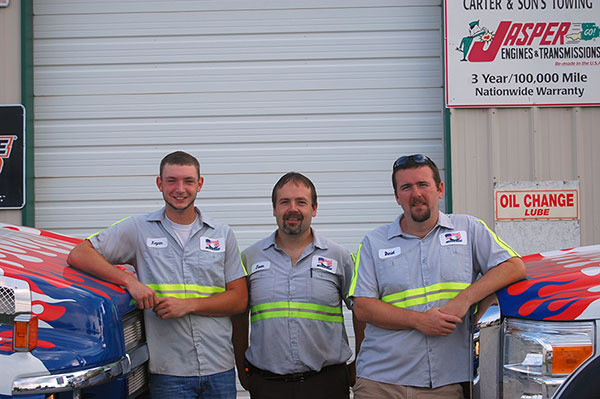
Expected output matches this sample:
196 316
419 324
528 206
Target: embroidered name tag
258 266
325 264
212 244
160 242
454 238
389 252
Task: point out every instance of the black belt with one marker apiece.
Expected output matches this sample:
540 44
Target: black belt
294 377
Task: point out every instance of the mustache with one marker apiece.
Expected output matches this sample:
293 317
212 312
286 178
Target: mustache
417 202
294 215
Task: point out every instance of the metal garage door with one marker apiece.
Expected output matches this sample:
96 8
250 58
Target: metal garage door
335 89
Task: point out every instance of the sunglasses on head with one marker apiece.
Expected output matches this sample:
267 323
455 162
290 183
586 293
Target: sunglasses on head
417 158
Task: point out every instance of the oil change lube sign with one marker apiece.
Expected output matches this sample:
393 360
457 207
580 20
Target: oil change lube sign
537 204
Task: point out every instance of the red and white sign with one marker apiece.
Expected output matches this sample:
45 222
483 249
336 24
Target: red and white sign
537 204
517 53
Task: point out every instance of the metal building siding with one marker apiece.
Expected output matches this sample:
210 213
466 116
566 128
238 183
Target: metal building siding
526 144
10 75
333 89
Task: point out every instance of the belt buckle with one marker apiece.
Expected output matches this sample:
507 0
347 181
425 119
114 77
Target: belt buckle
296 377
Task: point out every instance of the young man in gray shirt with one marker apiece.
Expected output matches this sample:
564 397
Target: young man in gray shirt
189 281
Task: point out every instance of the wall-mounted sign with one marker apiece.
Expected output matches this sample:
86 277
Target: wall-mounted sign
522 52
4 3
12 156
537 204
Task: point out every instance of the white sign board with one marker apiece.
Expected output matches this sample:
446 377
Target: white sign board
522 52
537 204
538 216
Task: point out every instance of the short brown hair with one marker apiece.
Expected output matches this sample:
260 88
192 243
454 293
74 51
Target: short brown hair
412 162
297 178
179 158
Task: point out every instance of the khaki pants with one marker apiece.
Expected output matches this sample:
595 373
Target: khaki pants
368 389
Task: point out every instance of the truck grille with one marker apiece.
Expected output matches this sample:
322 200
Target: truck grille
137 380
7 301
133 329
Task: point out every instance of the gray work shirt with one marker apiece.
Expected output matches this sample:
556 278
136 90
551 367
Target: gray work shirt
191 345
296 315
418 274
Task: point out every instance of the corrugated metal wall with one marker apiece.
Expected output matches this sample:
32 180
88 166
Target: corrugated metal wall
10 73
334 89
526 144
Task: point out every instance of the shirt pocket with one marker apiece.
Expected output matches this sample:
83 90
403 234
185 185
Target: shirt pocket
211 268
395 276
325 287
456 264
160 264
262 286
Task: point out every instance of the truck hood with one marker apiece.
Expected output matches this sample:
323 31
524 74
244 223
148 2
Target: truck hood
560 285
78 314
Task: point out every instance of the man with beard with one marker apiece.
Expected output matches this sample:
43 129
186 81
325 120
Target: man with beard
414 283
190 280
297 281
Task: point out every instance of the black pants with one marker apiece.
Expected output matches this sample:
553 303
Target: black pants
332 382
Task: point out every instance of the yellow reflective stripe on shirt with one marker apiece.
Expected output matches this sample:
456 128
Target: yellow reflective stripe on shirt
242 261
298 310
98 232
423 295
355 272
184 291
504 245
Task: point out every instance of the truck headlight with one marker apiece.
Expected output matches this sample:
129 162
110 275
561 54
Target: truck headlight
539 355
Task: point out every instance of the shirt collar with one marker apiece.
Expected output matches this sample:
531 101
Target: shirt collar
444 221
395 230
161 216
317 241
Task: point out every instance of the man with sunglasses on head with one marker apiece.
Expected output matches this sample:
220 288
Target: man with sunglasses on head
297 282
414 283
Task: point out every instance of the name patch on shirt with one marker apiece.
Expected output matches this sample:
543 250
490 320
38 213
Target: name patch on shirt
258 266
160 242
325 264
212 244
454 238
389 252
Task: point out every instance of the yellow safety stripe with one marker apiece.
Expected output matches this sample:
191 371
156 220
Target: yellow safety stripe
355 272
242 262
298 310
422 295
98 232
184 291
504 245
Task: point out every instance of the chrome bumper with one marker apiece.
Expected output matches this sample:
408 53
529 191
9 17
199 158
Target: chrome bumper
81 378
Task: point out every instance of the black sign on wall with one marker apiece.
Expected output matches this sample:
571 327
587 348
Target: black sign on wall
12 156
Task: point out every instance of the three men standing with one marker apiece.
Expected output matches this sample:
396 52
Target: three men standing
414 283
190 280
297 281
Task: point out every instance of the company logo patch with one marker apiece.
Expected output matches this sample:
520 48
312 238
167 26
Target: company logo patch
325 264
160 242
389 252
211 244
258 266
6 143
454 238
